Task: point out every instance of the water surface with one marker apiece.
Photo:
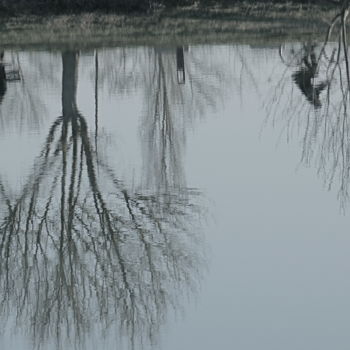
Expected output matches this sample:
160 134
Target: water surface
189 197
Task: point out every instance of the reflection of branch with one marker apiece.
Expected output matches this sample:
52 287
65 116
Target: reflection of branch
81 250
29 110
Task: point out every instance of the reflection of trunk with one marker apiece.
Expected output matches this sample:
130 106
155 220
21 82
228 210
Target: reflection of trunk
70 117
69 84
96 99
3 84
180 65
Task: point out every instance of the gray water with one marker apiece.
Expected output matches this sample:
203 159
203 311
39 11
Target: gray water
173 198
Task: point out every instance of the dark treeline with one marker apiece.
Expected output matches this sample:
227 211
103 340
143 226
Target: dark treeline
128 5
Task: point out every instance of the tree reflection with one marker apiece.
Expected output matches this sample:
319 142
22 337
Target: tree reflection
323 76
179 86
81 251
178 89
163 129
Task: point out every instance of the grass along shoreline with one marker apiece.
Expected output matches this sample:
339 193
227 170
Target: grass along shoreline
243 22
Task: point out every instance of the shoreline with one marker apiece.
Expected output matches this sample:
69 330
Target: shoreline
242 23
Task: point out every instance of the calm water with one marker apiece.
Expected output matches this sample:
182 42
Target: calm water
174 198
